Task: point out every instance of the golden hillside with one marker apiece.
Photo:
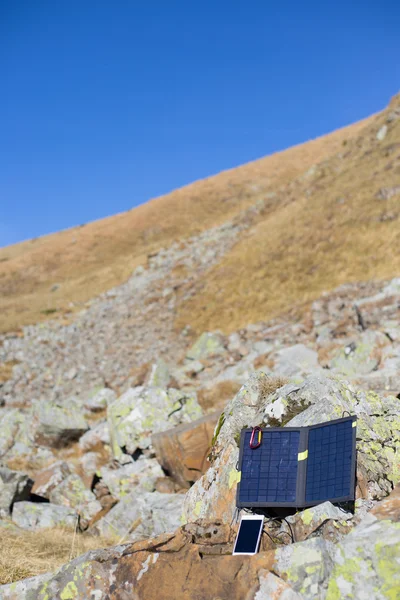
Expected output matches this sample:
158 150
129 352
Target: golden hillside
325 227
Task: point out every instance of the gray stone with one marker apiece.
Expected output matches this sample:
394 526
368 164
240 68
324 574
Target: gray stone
366 563
380 136
99 401
304 523
141 474
141 515
49 478
274 588
320 399
58 424
305 566
96 437
141 411
296 361
361 356
159 375
32 515
14 486
73 493
207 345
14 432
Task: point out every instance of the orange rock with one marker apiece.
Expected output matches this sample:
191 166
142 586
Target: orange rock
183 450
389 508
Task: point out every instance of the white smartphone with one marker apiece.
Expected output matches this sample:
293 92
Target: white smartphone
249 534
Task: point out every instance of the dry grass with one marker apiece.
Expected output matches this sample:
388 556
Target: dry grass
27 553
87 260
6 370
328 230
215 397
269 385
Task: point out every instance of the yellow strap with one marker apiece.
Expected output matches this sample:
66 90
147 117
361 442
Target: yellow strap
302 455
354 424
259 436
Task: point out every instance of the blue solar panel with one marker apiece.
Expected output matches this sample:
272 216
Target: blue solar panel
330 451
298 466
269 472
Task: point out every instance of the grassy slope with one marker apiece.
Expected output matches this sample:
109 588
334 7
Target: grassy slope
322 230
328 229
90 259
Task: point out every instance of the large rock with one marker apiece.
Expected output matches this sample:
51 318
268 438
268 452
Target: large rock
32 515
208 344
159 375
320 399
73 493
315 400
58 424
183 450
140 474
141 411
98 402
96 438
14 487
296 361
49 478
317 520
171 567
305 566
141 515
362 356
14 433
366 563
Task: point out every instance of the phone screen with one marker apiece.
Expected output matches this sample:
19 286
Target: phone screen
248 536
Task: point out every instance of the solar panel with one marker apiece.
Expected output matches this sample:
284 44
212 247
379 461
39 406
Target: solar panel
298 466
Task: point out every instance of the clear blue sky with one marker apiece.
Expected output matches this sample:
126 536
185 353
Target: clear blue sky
106 104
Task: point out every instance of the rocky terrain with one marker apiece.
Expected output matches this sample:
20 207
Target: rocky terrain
121 422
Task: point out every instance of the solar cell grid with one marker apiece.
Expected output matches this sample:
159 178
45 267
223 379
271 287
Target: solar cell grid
269 472
298 467
329 462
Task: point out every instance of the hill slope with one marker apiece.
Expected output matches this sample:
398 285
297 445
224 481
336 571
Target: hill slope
84 261
313 217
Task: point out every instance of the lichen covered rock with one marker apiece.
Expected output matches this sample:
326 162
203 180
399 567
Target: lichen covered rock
33 516
141 411
315 400
14 487
57 424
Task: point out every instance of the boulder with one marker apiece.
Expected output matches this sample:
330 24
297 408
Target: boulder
141 411
14 433
317 519
182 451
274 588
208 344
315 400
98 402
305 566
57 424
49 478
140 474
95 438
141 515
32 515
159 375
361 356
14 487
73 493
170 566
366 563
295 361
